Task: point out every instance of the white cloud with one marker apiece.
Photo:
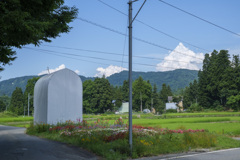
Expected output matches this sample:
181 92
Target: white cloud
77 71
109 71
52 70
176 60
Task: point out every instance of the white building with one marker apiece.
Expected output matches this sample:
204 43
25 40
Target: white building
171 106
124 108
58 97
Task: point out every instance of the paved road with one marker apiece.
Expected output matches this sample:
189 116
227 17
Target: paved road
227 154
15 145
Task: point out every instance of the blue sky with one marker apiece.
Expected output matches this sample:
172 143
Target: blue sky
85 36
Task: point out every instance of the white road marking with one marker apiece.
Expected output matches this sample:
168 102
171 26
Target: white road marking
192 155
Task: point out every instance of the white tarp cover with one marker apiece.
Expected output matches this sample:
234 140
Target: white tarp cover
58 98
171 106
124 108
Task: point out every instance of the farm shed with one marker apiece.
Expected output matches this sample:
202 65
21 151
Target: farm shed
58 97
124 108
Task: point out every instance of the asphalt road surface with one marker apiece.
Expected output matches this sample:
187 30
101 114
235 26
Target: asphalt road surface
16 145
227 154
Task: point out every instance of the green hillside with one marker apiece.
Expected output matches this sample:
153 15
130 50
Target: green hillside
8 86
176 79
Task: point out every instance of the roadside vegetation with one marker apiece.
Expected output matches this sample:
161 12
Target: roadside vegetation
107 135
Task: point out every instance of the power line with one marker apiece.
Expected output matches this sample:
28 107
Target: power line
153 28
70 54
118 54
62 54
199 18
138 39
66 56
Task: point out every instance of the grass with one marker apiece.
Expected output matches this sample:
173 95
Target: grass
10 119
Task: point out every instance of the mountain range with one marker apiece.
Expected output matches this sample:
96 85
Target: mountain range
177 79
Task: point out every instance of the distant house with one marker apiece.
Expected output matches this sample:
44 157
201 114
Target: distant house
124 108
177 106
171 106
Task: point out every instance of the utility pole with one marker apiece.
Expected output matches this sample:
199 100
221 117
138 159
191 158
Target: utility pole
141 101
130 74
28 103
29 97
151 103
130 68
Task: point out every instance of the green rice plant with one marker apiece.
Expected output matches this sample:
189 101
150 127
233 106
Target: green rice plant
15 119
200 139
7 114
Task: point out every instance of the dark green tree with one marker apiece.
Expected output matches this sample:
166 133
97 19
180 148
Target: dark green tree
158 104
5 99
142 91
234 102
102 97
31 22
30 91
165 92
213 90
117 96
17 101
2 106
125 91
88 94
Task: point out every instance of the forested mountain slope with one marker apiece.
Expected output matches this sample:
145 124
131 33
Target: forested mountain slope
176 79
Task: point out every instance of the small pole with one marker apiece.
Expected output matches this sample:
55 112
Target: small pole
28 103
152 103
141 101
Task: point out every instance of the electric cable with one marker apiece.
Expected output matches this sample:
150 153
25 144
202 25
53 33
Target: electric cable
193 15
138 39
62 54
118 54
153 28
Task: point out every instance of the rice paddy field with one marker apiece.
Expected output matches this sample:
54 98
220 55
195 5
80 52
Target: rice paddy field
10 119
218 122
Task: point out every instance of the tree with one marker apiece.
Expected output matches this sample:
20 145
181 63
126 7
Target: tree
191 94
88 94
157 103
16 104
212 80
30 90
234 102
31 22
117 96
2 106
141 91
102 97
125 90
165 92
6 100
